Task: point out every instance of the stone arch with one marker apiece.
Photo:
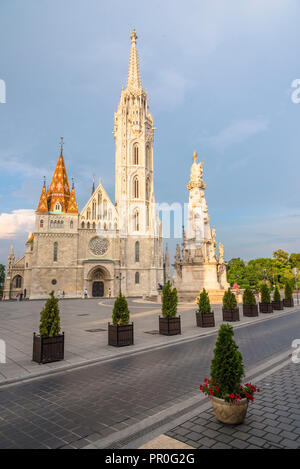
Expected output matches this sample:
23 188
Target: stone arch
17 281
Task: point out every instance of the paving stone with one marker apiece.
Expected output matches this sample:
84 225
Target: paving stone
220 446
291 444
240 444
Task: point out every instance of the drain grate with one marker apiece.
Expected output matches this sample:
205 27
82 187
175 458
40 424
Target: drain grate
152 332
95 330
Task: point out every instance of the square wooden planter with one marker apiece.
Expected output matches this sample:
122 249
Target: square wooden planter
48 349
169 326
277 305
231 315
288 302
205 320
250 311
120 336
265 308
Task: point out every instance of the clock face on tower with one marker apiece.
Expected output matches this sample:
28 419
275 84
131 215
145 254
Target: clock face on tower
98 246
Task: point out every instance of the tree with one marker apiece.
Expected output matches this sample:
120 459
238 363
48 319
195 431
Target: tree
236 271
169 301
227 368
249 297
121 314
204 303
282 256
50 320
294 260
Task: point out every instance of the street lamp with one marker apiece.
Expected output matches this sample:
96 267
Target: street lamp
120 278
295 272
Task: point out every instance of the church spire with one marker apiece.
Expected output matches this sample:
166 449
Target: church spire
43 205
59 190
134 78
72 207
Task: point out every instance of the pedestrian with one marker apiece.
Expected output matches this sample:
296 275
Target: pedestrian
18 297
85 294
109 293
63 293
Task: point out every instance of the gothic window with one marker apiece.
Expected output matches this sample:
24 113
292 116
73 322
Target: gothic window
105 209
136 188
88 214
137 252
137 277
55 251
136 221
147 217
94 226
148 157
18 281
135 154
54 224
82 224
88 225
148 189
58 207
94 210
71 224
41 223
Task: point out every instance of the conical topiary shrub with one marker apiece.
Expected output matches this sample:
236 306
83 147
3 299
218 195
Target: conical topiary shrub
227 365
49 346
288 295
121 312
265 305
169 301
249 297
204 303
224 387
230 309
50 320
204 316
169 324
120 332
249 303
277 303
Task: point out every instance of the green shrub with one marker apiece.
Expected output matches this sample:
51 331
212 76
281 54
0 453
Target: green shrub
50 321
276 296
229 300
169 301
249 297
121 312
265 293
288 291
204 303
227 365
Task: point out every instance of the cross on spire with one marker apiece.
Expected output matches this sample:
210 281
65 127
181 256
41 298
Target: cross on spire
134 78
61 144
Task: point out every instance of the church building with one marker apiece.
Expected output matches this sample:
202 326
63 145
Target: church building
108 245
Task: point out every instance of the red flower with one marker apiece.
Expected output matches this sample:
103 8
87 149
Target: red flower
205 380
232 396
217 389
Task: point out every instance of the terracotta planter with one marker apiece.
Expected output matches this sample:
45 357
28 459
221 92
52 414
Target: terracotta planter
205 319
265 308
48 349
277 305
231 315
288 302
230 413
250 311
169 326
120 336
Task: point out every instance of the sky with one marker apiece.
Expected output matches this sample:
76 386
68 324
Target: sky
219 78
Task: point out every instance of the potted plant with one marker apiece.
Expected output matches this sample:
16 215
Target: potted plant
277 303
230 308
229 397
265 306
204 316
249 303
48 346
288 296
120 332
169 324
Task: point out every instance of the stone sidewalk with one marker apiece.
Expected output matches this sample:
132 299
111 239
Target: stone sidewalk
85 325
272 422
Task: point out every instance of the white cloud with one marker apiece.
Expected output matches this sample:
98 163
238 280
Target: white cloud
16 223
236 132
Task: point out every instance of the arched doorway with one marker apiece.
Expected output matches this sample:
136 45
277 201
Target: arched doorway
97 279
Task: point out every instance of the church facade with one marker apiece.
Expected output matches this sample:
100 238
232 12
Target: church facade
106 246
